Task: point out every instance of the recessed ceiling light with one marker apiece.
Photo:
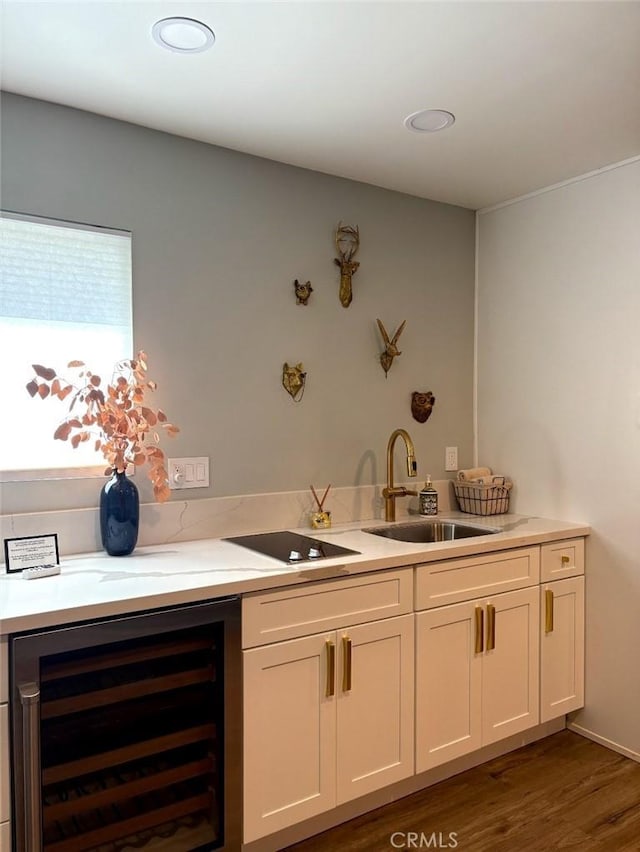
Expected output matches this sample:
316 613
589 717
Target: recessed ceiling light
429 120
183 35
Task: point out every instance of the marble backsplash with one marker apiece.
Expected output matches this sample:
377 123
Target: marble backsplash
78 530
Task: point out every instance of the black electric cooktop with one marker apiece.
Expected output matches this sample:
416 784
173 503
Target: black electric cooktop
290 547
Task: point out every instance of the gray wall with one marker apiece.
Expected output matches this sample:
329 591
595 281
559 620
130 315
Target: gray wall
218 238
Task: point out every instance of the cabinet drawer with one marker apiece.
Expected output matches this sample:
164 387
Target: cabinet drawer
562 559
456 580
327 605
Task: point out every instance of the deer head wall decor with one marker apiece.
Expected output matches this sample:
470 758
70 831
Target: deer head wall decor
390 346
347 244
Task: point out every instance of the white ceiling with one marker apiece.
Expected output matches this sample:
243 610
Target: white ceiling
542 91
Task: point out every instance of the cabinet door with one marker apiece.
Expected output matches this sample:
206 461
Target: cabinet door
561 647
448 683
374 706
289 733
510 665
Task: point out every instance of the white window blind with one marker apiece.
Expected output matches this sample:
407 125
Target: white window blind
65 294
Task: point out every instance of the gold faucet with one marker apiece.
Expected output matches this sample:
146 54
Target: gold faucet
391 491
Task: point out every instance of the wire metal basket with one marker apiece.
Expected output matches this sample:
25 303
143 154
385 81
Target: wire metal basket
483 498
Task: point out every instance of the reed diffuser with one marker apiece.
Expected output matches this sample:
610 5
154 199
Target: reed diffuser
320 520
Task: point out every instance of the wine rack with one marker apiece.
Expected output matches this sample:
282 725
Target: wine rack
132 737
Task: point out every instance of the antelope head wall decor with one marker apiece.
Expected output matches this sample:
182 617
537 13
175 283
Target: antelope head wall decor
390 346
347 244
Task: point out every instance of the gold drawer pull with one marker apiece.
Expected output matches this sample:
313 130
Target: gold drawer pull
548 611
479 648
491 627
346 667
331 668
565 560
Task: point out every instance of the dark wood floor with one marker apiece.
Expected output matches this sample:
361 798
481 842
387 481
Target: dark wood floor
561 793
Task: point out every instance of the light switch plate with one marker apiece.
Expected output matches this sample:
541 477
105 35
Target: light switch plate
188 472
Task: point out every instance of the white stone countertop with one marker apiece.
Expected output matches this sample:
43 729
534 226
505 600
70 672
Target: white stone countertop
93 586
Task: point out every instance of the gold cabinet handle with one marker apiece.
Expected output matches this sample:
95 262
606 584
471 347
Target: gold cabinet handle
548 611
479 630
565 560
491 627
331 668
346 667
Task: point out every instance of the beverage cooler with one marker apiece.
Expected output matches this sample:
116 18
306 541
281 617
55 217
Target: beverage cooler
126 733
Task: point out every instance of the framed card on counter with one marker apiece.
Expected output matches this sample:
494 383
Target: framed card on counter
31 551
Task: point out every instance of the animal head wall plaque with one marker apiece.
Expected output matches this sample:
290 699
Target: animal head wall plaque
303 291
422 405
347 244
293 380
390 346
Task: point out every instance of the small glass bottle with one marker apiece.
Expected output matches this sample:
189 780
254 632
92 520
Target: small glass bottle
428 499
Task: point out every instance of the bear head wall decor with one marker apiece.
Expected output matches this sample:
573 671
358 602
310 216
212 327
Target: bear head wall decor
422 405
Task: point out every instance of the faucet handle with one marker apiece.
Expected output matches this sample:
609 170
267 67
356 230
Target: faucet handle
398 491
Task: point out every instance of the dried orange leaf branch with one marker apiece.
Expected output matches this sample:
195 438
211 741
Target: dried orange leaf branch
126 429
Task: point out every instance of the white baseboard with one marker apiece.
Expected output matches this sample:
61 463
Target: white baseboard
591 735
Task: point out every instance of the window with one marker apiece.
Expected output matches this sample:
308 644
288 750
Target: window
65 294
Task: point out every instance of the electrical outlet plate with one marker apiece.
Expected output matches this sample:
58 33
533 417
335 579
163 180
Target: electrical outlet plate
451 458
188 472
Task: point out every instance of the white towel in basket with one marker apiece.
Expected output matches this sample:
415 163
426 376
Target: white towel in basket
473 473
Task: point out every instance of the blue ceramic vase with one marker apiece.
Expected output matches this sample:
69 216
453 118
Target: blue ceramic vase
119 515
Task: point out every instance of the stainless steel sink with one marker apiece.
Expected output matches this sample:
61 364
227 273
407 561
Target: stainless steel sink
431 531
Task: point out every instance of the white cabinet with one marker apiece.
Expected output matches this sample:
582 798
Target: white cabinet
448 684
289 734
510 665
561 647
333 702
375 706
455 580
560 559
561 628
327 717
477 652
477 669
315 607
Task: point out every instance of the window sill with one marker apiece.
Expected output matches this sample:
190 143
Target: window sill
37 475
